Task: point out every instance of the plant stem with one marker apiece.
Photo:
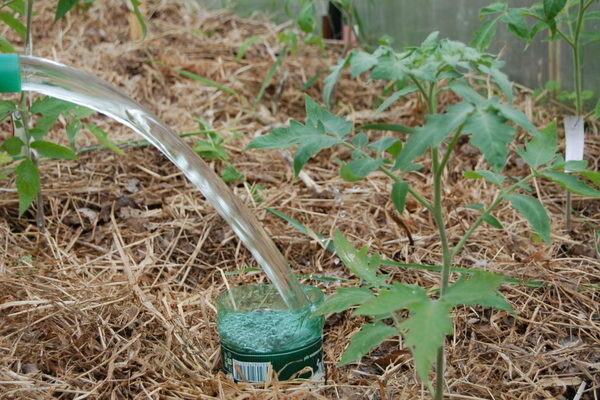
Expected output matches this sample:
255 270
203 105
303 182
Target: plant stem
486 212
578 81
24 105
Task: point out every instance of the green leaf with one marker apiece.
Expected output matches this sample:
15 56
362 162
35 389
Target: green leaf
245 46
361 62
553 7
50 106
571 183
517 117
231 174
343 299
542 148
6 47
356 170
309 149
104 140
387 127
593 176
13 23
381 145
501 80
399 192
389 68
63 7
333 124
488 219
332 79
490 135
393 97
481 288
12 145
498 7
28 184
367 338
73 128
484 35
6 107
425 331
437 128
489 176
204 81
516 23
356 261
52 150
399 297
306 19
135 4
534 212
210 150
464 90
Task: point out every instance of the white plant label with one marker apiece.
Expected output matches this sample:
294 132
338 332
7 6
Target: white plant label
575 135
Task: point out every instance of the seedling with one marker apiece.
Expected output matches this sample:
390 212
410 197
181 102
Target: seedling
563 20
487 121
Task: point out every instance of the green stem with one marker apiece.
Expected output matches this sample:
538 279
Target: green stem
578 80
487 211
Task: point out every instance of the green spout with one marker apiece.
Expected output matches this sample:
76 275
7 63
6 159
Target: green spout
10 73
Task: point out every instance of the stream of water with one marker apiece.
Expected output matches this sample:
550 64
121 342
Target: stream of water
70 84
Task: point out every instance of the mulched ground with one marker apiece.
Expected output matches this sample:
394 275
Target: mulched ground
115 299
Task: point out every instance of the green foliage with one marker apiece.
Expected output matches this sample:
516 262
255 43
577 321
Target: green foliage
28 184
489 122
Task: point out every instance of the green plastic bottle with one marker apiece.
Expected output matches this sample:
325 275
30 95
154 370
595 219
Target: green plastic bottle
260 335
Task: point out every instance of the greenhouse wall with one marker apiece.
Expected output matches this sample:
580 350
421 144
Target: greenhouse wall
456 19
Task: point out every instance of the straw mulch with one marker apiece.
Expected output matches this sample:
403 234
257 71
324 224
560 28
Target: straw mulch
115 299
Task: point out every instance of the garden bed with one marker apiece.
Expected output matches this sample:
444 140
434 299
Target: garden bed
115 299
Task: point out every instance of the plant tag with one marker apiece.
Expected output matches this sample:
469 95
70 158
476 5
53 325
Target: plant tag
575 135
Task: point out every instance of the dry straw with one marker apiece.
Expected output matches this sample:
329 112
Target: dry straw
115 300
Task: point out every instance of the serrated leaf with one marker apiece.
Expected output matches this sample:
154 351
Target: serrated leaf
356 170
356 261
534 212
382 144
388 127
28 184
7 107
367 338
489 176
13 23
516 23
481 288
231 174
245 46
6 47
425 332
360 139
517 117
389 68
484 35
494 8
12 145
104 140
571 183
436 129
281 138
553 7
63 7
333 124
542 148
53 150
465 91
501 79
50 106
309 149
399 192
399 297
490 135
361 62
331 80
344 299
393 97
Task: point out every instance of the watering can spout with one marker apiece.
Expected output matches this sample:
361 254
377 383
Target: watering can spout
10 73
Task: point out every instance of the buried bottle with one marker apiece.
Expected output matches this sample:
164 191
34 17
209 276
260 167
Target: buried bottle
69 84
261 338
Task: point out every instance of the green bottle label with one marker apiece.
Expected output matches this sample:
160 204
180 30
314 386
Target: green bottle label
304 363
